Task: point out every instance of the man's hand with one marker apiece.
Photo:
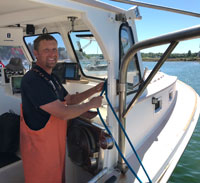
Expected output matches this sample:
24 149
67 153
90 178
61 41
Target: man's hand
96 102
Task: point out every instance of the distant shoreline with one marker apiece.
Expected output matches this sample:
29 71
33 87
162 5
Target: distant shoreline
147 59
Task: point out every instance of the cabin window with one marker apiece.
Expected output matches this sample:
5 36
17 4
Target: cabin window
89 54
133 73
62 52
8 53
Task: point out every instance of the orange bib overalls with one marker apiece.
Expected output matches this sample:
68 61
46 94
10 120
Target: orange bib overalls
43 151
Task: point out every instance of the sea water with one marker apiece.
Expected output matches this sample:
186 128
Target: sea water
188 167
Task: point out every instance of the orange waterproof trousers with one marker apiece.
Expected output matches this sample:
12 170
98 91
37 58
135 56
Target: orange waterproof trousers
43 151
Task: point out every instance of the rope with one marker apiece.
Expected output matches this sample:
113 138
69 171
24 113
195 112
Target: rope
120 124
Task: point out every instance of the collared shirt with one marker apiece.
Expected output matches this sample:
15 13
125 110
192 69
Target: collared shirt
37 91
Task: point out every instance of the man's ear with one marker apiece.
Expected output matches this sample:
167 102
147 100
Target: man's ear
35 53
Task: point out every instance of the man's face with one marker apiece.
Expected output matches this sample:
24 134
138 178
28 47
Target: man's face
47 54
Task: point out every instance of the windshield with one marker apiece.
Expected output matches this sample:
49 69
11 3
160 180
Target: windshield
12 52
89 54
62 52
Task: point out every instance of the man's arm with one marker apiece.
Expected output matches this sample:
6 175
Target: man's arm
80 97
66 112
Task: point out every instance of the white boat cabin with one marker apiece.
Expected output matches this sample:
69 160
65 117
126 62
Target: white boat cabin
97 42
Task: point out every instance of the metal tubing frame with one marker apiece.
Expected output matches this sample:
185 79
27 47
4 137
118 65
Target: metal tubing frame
173 39
150 77
153 6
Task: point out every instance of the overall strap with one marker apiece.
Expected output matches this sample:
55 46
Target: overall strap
48 80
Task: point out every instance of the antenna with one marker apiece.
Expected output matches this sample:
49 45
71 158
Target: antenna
72 20
153 6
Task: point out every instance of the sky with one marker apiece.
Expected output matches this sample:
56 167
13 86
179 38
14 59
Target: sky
156 22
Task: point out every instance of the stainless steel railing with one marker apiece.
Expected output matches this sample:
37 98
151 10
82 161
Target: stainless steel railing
173 39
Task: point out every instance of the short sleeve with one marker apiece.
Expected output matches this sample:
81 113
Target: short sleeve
38 91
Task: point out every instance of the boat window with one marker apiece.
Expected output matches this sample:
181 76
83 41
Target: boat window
8 53
133 73
62 52
89 54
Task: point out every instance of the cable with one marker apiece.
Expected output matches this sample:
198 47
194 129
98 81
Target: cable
109 103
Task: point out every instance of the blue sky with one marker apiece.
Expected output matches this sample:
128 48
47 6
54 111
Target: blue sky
156 22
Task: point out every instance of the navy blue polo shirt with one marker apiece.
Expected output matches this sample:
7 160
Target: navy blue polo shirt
37 91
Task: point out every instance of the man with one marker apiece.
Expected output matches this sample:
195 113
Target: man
46 107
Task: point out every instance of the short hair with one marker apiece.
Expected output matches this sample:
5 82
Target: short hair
42 37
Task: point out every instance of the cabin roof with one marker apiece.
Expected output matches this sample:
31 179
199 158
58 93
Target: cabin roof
30 11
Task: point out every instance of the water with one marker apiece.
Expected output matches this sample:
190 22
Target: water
188 167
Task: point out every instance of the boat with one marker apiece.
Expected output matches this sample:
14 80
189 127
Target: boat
97 66
147 117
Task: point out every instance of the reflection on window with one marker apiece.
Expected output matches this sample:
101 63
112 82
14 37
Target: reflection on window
8 53
126 41
62 52
133 74
89 54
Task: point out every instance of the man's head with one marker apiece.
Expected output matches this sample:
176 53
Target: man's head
46 51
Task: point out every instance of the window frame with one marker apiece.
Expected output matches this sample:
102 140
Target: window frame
77 59
136 56
31 54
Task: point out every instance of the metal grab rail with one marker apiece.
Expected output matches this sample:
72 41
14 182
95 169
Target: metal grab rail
153 6
173 39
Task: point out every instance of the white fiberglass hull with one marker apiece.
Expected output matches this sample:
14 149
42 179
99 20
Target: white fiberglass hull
161 157
164 154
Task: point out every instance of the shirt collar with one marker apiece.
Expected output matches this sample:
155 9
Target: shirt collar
43 71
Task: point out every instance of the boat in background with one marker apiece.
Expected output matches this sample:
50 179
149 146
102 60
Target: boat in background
147 117
97 66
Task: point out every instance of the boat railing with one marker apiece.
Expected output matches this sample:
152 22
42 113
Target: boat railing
157 7
172 39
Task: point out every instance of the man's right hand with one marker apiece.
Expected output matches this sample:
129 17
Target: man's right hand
96 101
